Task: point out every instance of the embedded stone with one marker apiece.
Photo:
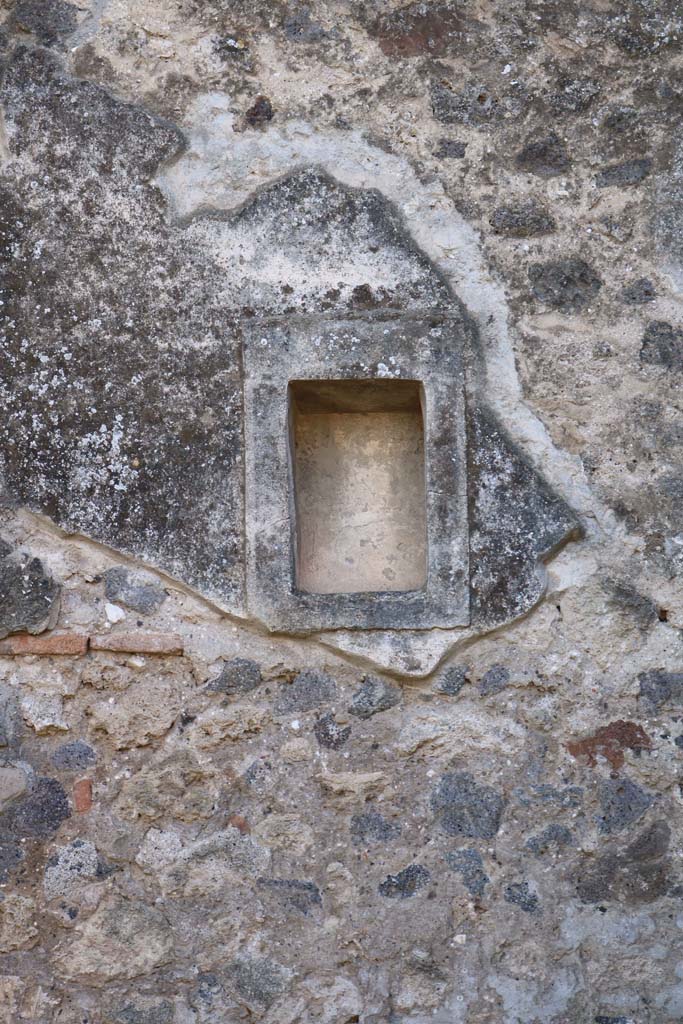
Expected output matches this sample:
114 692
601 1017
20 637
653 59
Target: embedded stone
124 587
659 687
494 680
470 866
329 733
239 675
638 292
630 172
371 827
546 156
138 643
48 20
69 867
610 742
176 785
29 597
41 812
74 756
307 691
375 695
452 680
566 284
464 807
258 980
521 895
139 714
292 893
525 220
622 802
662 345
215 725
123 939
554 837
17 923
406 883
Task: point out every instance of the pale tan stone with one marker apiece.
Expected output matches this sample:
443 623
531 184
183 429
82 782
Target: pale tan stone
140 713
122 939
232 723
17 923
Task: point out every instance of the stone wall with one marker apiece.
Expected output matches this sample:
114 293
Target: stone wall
222 800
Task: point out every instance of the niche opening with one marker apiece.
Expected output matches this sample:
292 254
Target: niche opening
358 485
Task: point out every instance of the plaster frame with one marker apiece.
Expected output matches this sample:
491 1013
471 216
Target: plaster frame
425 350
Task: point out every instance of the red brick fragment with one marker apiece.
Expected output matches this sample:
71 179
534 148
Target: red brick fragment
610 742
237 821
138 643
82 795
51 643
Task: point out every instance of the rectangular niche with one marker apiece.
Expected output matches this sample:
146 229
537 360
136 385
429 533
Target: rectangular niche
358 485
355 475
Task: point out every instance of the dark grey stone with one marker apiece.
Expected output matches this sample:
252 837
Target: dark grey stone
520 894
293 893
240 675
638 874
259 113
659 687
679 741
493 681
375 695
568 284
11 855
569 796
546 156
452 680
172 494
621 803
258 979
474 105
300 27
329 734
602 1019
450 149
554 837
466 808
373 827
574 95
469 864
74 756
48 20
516 521
630 172
124 587
162 1013
39 814
307 691
406 883
662 345
29 597
524 220
638 292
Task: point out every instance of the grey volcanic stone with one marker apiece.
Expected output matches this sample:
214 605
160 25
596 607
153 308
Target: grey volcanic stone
662 345
515 521
520 894
554 837
406 883
566 284
41 813
659 687
124 587
470 866
46 19
74 756
495 680
522 221
293 893
374 695
452 680
450 149
638 874
622 802
162 1013
329 734
473 105
307 691
638 292
258 979
29 597
546 156
631 172
240 675
465 808
373 827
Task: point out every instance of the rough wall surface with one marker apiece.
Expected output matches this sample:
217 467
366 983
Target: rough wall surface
202 822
